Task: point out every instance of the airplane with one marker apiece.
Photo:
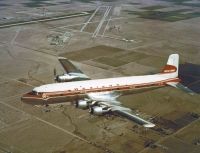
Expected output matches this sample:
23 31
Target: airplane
101 94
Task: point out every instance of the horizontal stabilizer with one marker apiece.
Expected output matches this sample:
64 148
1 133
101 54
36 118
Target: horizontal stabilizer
184 88
181 86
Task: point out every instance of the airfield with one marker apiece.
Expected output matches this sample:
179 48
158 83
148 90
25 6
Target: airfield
104 39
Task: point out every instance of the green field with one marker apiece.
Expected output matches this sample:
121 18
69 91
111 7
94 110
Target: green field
170 16
91 53
184 2
36 3
111 61
154 7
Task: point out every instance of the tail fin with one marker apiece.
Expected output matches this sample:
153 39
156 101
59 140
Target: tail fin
172 69
172 65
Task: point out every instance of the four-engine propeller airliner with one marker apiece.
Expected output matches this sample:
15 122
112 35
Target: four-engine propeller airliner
102 93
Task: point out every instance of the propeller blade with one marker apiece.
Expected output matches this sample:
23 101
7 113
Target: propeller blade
54 72
76 104
91 110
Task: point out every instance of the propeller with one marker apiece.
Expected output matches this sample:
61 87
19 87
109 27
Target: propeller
91 110
76 103
55 74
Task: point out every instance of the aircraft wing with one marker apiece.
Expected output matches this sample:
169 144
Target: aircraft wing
133 117
72 70
68 66
108 100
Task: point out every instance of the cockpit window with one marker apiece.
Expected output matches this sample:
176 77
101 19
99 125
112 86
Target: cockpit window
34 92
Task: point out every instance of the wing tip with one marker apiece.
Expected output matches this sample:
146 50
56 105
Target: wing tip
61 57
149 125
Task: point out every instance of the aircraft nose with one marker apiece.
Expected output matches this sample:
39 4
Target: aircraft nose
31 98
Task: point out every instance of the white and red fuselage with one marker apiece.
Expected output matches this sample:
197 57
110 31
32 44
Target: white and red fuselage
168 75
100 85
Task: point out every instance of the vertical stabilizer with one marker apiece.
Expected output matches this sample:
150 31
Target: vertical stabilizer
172 65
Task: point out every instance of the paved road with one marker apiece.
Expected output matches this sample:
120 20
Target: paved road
43 20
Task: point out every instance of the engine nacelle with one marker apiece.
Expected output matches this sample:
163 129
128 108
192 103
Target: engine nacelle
64 78
97 110
82 104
